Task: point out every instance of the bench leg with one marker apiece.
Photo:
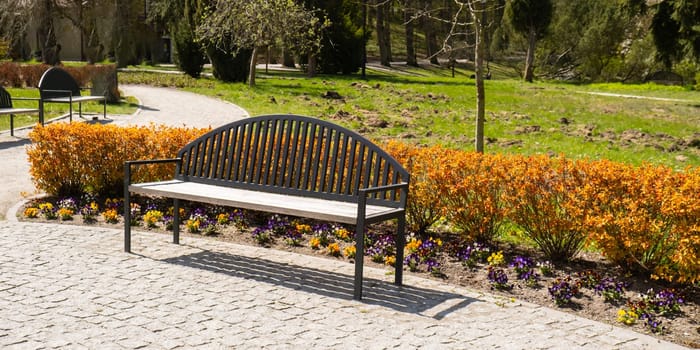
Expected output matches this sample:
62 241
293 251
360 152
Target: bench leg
127 221
359 256
104 112
12 125
127 209
176 221
400 244
70 112
41 112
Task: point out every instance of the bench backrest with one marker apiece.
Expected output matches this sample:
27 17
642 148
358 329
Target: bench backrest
57 79
295 155
5 99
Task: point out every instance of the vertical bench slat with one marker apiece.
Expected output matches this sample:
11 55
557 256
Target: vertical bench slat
385 176
259 151
298 162
233 144
282 172
270 145
327 178
342 166
210 155
294 143
350 167
242 165
377 164
278 158
319 155
314 158
367 169
236 152
199 155
223 164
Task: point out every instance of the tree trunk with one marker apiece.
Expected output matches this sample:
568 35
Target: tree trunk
253 62
479 52
530 59
408 20
47 35
287 59
382 34
311 66
430 41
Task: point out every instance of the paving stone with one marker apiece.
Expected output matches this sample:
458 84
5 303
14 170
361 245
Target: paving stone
155 299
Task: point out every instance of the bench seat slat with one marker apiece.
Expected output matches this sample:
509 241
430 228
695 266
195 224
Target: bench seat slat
74 99
308 207
18 110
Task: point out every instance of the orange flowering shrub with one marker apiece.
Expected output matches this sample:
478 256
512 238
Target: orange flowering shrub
544 200
425 165
647 219
472 196
75 158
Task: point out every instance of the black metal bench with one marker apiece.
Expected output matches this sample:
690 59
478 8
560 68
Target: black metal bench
291 165
57 86
7 108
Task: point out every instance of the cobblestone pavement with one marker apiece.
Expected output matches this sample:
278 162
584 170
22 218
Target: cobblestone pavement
72 287
65 286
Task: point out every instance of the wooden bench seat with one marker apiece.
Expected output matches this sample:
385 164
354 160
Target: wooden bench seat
308 207
286 164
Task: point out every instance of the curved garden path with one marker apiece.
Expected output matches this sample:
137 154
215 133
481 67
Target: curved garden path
156 105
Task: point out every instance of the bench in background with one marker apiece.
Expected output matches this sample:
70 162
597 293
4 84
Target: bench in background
7 108
291 165
57 86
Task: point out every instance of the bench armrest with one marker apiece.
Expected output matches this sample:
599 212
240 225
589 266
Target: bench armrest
365 191
129 163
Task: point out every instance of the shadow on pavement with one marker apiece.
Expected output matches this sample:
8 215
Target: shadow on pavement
400 298
14 143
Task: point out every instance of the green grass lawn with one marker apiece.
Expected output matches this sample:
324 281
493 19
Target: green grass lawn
432 108
429 106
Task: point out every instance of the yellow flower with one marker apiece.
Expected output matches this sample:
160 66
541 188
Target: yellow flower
334 249
496 259
350 251
31 213
342 233
111 216
65 213
222 219
390 260
315 243
303 229
413 245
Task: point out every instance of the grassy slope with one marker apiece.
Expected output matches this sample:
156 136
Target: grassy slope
436 108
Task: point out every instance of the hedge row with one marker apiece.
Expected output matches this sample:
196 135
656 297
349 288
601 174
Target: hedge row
646 219
77 158
18 75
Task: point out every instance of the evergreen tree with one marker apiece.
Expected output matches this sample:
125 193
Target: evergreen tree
342 42
530 18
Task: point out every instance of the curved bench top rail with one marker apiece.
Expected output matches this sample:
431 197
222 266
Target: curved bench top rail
5 99
295 155
57 79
